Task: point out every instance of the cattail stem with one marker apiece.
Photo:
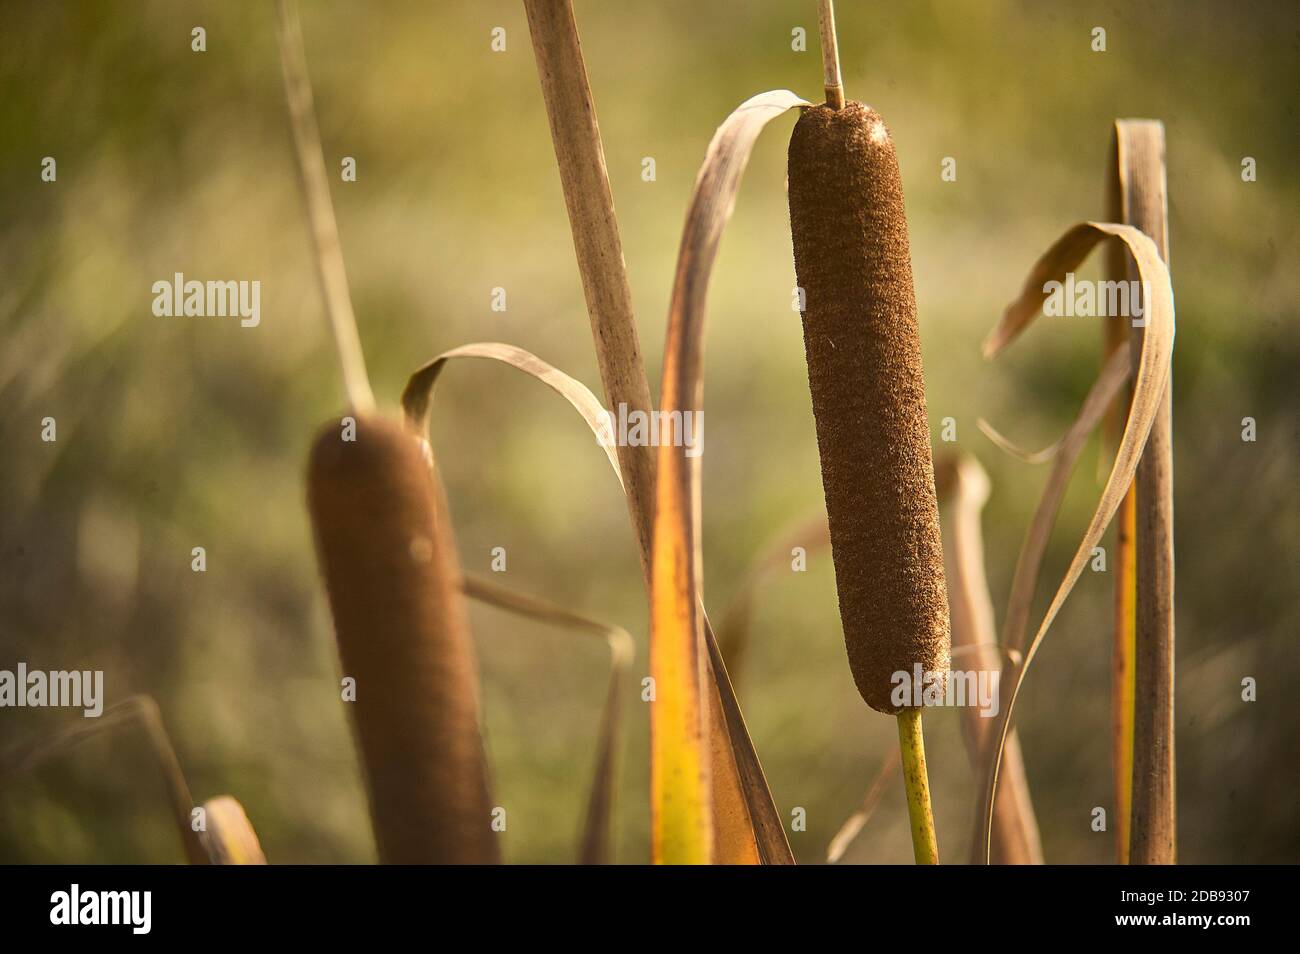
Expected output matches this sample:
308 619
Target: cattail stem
580 157
832 80
911 745
320 210
1140 159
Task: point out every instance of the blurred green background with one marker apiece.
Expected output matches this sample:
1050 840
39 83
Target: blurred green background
176 433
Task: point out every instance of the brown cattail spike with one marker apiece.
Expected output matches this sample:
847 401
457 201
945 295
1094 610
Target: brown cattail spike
394 589
868 395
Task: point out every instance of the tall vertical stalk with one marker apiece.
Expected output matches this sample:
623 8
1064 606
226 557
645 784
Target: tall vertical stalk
964 485
1116 336
580 156
1140 161
320 211
832 81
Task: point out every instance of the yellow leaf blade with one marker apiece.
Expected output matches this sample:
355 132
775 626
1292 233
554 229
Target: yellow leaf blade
681 812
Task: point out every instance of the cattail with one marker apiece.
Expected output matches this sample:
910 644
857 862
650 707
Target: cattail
868 395
393 582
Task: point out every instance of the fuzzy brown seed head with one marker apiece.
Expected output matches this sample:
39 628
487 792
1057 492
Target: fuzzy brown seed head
400 618
853 262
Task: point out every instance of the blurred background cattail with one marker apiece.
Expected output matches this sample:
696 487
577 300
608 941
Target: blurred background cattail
394 588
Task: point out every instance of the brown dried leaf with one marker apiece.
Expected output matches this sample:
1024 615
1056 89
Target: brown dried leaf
417 397
963 488
1029 564
1007 446
1148 389
770 844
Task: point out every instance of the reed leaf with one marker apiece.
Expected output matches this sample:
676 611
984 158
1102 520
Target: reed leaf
417 396
598 248
1148 388
681 822
596 842
1007 446
963 486
1029 563
1116 337
767 831
766 841
229 837
1123 677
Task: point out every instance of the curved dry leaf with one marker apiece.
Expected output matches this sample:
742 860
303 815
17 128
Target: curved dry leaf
681 797
1005 445
1064 256
596 846
417 396
1029 563
963 488
229 837
1148 388
769 835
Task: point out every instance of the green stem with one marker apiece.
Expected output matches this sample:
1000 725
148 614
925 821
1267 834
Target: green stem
911 745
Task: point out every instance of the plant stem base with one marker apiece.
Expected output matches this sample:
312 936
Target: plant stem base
912 746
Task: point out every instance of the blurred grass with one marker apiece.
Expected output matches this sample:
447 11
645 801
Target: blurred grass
175 433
